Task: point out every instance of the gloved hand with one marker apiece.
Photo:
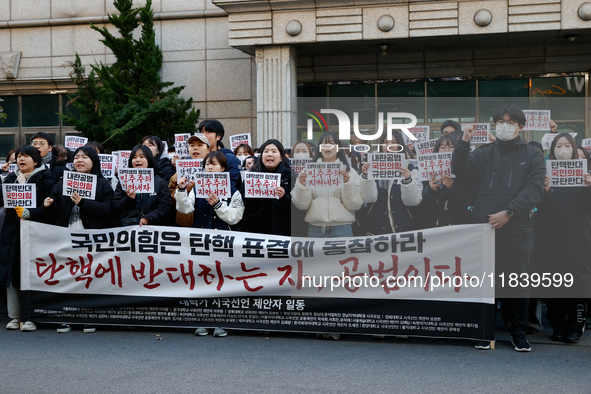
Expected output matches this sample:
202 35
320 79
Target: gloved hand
22 213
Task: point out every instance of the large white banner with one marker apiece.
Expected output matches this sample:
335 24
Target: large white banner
444 264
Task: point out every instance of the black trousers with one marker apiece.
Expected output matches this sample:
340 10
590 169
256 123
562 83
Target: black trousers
512 255
567 315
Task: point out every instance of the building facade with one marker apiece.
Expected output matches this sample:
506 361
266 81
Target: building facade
246 62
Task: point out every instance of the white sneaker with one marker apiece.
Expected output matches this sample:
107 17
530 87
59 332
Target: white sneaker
201 331
63 329
28 326
14 324
89 329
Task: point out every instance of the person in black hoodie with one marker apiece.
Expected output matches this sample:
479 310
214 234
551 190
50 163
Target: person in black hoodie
509 176
32 171
162 165
54 157
133 208
214 131
95 214
266 215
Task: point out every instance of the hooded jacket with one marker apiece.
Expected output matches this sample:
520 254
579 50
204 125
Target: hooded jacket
10 238
95 214
509 175
163 166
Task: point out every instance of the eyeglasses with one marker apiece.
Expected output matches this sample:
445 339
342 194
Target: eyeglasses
510 122
39 143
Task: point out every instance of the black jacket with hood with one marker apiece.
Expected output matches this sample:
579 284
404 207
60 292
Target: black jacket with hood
509 175
10 238
95 214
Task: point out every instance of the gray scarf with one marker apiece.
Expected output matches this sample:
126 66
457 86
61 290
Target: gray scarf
47 158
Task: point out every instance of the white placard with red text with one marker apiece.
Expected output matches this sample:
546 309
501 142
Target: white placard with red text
385 166
425 147
481 132
537 120
108 165
239 139
83 184
181 144
566 173
19 195
188 169
261 184
217 183
73 142
319 175
140 180
299 165
586 143
421 132
438 164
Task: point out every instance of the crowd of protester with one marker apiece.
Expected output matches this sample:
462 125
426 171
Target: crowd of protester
500 183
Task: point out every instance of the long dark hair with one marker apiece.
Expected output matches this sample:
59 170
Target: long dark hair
340 153
572 142
156 141
400 141
146 151
32 152
96 162
259 166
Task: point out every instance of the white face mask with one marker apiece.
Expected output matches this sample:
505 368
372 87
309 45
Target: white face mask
301 155
563 153
241 158
505 132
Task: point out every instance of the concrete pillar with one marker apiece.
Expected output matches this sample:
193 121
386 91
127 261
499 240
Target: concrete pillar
276 93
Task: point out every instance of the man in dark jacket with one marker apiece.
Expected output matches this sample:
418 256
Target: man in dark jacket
509 176
54 158
214 131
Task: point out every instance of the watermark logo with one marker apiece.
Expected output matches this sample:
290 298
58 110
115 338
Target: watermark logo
345 124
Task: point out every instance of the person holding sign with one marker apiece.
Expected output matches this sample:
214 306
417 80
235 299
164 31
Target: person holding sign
449 197
391 213
211 213
566 244
270 215
162 164
30 171
140 208
509 175
6 167
94 214
331 210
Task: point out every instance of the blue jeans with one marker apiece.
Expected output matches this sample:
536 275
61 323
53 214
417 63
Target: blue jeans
343 230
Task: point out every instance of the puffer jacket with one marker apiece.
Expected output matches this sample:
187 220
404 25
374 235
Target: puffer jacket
58 163
508 175
332 206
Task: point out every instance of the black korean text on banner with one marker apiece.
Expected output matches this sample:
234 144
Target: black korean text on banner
481 132
385 166
239 139
181 145
324 175
73 142
422 133
140 180
124 158
261 184
548 138
188 168
425 147
19 195
217 183
537 120
419 280
108 165
12 167
566 173
438 164
83 184
586 143
298 165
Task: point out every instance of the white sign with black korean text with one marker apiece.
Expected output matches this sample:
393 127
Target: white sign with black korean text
140 180
19 195
83 184
261 185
